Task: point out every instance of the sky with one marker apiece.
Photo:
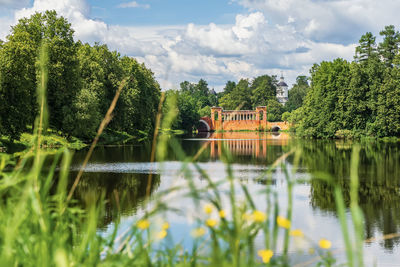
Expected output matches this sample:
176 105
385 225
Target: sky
218 40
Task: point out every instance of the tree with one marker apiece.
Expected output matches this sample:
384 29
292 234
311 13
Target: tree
388 115
238 98
274 110
297 93
262 89
389 48
229 86
19 72
325 104
366 48
188 114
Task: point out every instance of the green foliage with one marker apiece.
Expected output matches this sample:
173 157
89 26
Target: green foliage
361 97
206 111
324 104
262 90
238 98
82 81
286 116
389 48
297 93
367 48
274 110
188 114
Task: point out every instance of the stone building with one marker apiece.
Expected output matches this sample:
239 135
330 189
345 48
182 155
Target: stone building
282 91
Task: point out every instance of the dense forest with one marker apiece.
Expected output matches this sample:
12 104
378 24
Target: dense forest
82 82
359 98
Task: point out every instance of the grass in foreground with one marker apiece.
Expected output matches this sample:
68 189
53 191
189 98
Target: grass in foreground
42 225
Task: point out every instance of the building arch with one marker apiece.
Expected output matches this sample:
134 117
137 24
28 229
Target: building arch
275 128
203 126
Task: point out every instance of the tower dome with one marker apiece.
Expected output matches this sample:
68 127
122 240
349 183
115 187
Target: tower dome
282 91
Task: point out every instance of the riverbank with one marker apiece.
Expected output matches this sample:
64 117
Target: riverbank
55 140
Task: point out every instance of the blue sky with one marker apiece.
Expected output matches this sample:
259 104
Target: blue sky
218 40
166 12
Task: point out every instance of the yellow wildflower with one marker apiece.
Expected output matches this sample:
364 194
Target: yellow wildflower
208 208
259 216
198 232
143 224
311 251
265 254
325 244
283 222
297 233
211 222
162 234
222 214
165 226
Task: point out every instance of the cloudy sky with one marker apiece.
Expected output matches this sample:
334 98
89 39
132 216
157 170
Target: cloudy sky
218 40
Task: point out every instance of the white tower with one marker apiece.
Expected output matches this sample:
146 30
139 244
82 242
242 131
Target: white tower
282 91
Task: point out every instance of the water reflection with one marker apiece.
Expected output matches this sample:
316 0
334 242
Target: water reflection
124 172
252 144
379 174
123 193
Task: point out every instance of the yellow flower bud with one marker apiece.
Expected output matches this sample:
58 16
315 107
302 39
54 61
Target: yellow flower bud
208 208
259 216
165 226
283 222
222 214
162 234
143 224
211 222
265 254
325 244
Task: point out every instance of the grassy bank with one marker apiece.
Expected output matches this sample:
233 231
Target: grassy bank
55 140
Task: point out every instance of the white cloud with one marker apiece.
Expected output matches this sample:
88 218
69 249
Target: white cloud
133 4
288 35
340 21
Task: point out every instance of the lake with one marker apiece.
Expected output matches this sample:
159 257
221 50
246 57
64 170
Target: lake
125 175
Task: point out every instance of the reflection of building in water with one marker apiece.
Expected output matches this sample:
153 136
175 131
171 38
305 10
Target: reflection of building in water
251 144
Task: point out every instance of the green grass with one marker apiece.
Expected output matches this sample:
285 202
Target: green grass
42 225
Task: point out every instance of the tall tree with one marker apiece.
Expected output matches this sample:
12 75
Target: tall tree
262 89
238 98
325 103
388 113
19 70
367 48
389 48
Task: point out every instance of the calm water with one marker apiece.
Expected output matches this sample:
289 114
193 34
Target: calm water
124 171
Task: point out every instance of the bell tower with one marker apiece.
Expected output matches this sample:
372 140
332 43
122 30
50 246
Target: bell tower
282 90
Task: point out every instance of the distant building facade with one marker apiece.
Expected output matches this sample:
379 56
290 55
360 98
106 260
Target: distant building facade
282 91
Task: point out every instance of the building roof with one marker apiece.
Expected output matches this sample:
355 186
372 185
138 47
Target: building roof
282 83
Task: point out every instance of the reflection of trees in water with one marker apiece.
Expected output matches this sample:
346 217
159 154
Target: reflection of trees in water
130 189
379 175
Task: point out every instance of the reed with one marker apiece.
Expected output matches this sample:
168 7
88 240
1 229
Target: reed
42 225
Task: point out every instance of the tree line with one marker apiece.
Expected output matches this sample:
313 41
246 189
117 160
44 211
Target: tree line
358 98
194 100
82 82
